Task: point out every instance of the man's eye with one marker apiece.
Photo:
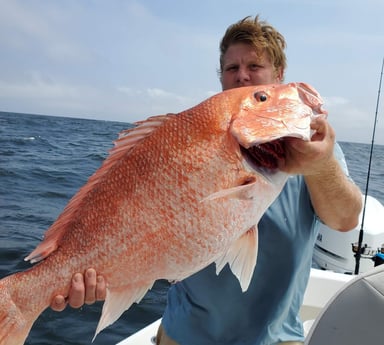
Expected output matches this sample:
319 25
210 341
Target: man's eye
254 67
231 68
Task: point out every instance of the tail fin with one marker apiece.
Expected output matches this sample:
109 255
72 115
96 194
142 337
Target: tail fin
14 326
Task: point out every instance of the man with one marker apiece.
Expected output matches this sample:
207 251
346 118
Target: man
207 309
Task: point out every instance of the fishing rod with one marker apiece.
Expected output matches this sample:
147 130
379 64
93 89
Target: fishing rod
359 249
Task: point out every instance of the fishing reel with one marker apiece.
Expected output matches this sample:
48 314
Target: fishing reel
366 252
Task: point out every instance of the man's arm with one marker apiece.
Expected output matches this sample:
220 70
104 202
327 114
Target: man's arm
336 200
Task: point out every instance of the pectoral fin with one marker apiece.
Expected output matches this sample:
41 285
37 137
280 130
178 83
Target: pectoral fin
242 192
241 257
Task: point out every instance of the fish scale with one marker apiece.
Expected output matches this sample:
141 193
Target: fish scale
176 193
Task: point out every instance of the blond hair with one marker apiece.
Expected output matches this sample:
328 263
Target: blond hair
259 34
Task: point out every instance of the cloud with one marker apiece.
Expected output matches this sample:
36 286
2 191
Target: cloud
165 95
157 100
28 28
350 121
37 87
153 93
335 101
127 60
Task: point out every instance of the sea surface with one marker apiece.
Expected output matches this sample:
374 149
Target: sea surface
44 160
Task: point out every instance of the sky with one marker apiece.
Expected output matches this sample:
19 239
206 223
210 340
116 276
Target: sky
126 60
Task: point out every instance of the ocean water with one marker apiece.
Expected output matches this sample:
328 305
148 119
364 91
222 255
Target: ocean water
43 162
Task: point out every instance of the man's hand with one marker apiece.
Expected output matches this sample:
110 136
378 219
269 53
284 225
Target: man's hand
87 288
310 157
329 188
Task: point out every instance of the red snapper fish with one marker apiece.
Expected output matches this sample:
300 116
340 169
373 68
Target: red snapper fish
176 193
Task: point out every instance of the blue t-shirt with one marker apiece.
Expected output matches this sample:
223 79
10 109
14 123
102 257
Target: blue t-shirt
210 309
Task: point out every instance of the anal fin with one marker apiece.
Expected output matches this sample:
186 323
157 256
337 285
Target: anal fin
117 301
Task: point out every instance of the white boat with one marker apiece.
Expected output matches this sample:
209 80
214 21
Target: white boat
335 250
330 285
338 309
322 286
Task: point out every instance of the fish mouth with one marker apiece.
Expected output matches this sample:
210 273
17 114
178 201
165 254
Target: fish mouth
265 157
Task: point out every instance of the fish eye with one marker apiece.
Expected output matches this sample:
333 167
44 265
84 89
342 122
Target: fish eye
260 96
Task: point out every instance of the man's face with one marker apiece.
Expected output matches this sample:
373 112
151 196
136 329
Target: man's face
243 67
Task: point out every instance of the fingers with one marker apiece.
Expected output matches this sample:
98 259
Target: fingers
76 296
95 287
310 157
58 303
90 283
101 288
87 288
322 130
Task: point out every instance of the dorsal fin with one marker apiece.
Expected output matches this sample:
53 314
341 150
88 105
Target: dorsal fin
130 137
127 140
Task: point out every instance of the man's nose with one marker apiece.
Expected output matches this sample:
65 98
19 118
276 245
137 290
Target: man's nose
243 75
